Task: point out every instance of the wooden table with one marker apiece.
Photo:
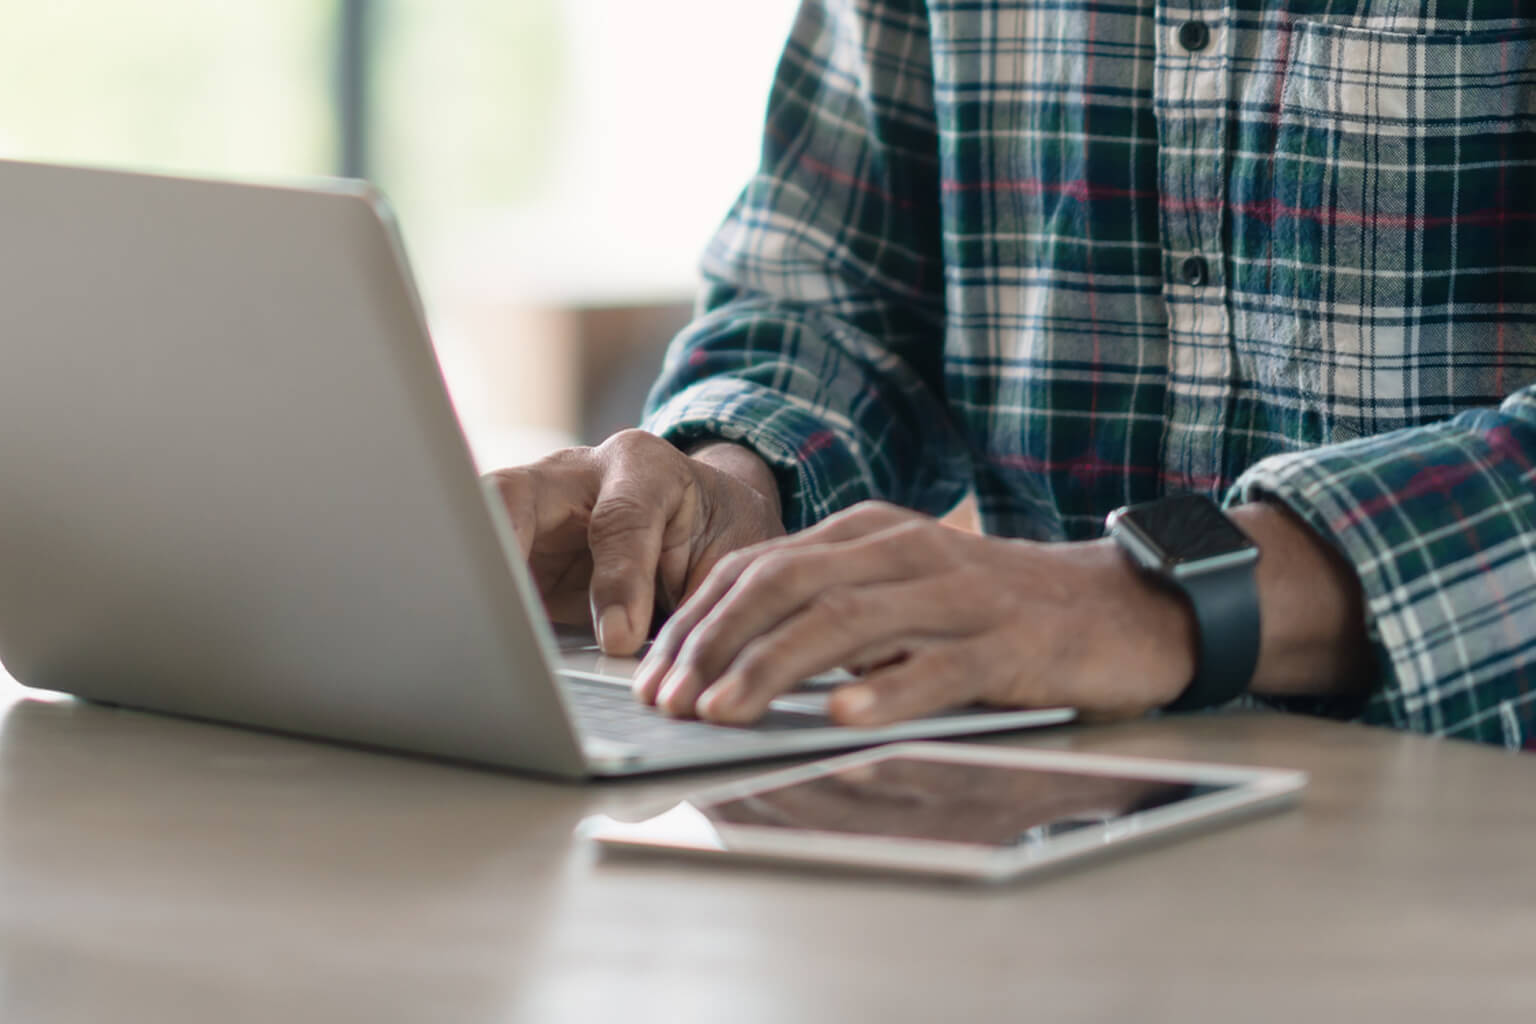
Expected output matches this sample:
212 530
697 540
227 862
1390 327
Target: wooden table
167 871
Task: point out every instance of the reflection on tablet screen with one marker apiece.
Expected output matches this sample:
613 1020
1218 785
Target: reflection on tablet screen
945 801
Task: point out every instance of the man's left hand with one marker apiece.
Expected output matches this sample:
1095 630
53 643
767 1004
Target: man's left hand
930 617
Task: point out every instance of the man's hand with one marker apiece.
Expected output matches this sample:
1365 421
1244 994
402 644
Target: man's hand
611 532
932 617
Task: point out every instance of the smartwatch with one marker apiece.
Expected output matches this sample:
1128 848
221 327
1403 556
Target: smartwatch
1188 543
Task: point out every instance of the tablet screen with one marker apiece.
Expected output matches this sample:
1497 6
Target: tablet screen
997 805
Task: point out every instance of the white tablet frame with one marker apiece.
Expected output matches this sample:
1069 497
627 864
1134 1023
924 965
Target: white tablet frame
685 829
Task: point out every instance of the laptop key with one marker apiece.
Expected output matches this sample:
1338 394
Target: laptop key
609 712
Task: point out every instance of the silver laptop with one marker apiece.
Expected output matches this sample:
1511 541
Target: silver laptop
232 486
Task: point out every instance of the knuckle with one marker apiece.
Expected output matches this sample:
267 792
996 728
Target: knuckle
885 512
914 544
869 512
876 507
735 564
774 573
756 663
511 476
936 537
701 652
838 604
621 514
629 437
927 532
563 459
756 550
635 443
513 485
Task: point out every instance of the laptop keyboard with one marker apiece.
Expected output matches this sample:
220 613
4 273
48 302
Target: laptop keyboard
609 712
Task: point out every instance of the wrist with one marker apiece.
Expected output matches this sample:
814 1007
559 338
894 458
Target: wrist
1160 623
1188 547
741 464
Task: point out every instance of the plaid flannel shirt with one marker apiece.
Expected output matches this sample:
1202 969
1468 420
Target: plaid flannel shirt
1073 254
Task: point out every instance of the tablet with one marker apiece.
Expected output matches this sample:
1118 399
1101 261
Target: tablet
965 811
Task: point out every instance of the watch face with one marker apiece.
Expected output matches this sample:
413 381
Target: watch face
1186 528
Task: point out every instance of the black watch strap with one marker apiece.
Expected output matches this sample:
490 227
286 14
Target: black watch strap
1226 607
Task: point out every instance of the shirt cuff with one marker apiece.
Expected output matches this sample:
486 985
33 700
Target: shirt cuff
818 466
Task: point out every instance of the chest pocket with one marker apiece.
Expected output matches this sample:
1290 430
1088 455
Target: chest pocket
1405 207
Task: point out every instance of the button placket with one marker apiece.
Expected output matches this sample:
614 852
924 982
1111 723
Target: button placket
1191 90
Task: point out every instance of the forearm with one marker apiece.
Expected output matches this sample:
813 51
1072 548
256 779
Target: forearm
1313 638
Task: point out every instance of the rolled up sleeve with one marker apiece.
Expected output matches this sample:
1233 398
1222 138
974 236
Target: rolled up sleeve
1439 522
820 338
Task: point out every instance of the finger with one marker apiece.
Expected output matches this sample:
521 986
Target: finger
661 658
865 628
564 585
517 497
843 626
827 580
548 505
860 521
545 496
938 678
625 537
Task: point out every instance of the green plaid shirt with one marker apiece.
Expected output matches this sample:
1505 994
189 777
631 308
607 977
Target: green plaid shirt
1077 254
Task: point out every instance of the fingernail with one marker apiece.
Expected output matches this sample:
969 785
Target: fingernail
613 617
855 701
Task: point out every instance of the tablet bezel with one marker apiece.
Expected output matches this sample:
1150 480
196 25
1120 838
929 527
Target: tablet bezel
684 828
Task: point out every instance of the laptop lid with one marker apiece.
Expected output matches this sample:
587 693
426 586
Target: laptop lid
233 484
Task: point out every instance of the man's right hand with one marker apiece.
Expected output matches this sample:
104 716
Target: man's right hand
611 533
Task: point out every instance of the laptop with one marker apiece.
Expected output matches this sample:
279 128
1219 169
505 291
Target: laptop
234 488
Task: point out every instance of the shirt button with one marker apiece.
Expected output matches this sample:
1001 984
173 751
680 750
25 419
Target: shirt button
1195 271
1194 35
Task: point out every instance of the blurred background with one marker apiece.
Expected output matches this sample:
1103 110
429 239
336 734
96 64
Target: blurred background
556 165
